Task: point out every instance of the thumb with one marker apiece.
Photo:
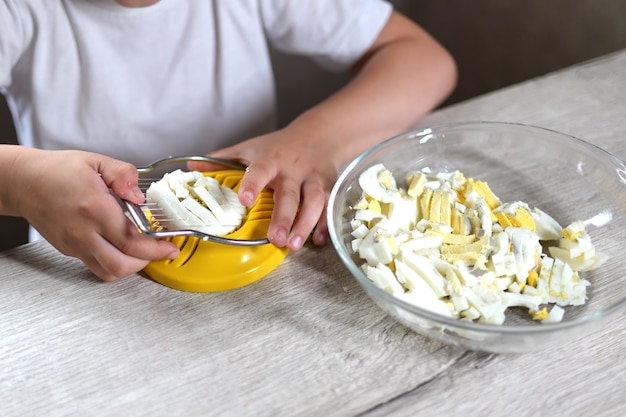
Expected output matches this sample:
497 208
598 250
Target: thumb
122 178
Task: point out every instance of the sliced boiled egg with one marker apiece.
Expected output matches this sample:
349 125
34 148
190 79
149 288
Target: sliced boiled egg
448 244
193 201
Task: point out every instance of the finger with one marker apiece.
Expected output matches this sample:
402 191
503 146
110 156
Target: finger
104 274
125 238
138 245
313 201
111 263
97 269
255 180
119 248
320 234
286 204
105 261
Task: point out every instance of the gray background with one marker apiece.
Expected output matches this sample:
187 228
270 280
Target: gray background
495 43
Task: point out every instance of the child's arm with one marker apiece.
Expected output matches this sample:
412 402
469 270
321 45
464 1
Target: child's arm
65 196
405 74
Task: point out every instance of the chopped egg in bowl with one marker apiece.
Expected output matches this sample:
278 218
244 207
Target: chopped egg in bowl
490 236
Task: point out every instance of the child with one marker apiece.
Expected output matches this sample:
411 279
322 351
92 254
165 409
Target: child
138 80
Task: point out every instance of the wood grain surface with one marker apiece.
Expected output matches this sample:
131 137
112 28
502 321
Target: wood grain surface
305 340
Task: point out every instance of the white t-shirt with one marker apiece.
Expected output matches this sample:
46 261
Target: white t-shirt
179 77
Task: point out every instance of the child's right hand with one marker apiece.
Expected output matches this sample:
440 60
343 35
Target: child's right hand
65 196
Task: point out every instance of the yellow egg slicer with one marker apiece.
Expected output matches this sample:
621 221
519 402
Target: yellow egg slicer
209 263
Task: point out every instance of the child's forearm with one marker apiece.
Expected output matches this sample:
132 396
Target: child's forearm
9 154
405 75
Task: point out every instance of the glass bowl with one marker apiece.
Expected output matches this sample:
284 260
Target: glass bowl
565 177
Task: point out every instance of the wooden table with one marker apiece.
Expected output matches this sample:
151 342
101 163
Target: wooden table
304 340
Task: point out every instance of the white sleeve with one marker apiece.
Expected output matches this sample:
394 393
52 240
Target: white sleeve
13 35
334 33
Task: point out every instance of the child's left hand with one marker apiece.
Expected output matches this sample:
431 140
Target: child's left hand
300 169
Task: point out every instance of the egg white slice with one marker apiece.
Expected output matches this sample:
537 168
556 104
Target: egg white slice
191 200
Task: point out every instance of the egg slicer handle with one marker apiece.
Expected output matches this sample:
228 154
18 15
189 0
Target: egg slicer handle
136 212
189 158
